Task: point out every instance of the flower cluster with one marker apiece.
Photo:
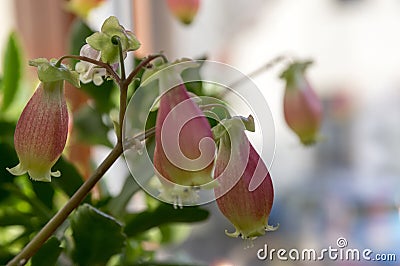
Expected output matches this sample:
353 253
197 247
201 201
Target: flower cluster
186 158
189 155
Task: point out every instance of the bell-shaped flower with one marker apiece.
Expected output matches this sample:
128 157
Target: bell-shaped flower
245 192
185 150
41 132
301 105
184 10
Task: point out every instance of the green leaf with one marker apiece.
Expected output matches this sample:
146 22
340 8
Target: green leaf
8 159
7 132
70 180
163 214
44 192
12 70
117 205
90 127
97 236
48 253
11 217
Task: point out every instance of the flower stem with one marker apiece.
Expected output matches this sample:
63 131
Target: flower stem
116 40
142 64
109 69
273 62
46 232
124 90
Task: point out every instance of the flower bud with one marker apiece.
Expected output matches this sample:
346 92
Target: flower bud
87 71
184 152
244 193
302 107
184 10
41 132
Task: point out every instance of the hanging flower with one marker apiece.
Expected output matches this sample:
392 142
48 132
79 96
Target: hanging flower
185 149
301 105
184 10
244 193
41 132
42 129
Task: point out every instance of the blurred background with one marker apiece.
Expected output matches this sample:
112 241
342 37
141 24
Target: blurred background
348 185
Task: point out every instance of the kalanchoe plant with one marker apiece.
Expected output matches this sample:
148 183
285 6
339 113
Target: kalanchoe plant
184 10
42 128
188 153
301 105
238 167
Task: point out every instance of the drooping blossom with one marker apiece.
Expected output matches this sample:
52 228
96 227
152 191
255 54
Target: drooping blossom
41 132
245 192
184 10
185 150
301 105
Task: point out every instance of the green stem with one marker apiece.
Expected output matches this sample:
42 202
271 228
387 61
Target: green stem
122 109
45 233
109 69
116 40
124 90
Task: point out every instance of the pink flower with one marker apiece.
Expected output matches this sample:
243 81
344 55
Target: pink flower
185 150
41 132
184 10
245 193
302 107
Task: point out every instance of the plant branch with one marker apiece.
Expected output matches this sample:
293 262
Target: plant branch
142 64
109 69
258 71
46 232
129 143
124 84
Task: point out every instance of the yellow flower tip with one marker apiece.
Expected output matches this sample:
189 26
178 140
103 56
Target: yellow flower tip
17 170
271 228
234 234
254 234
179 195
36 175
